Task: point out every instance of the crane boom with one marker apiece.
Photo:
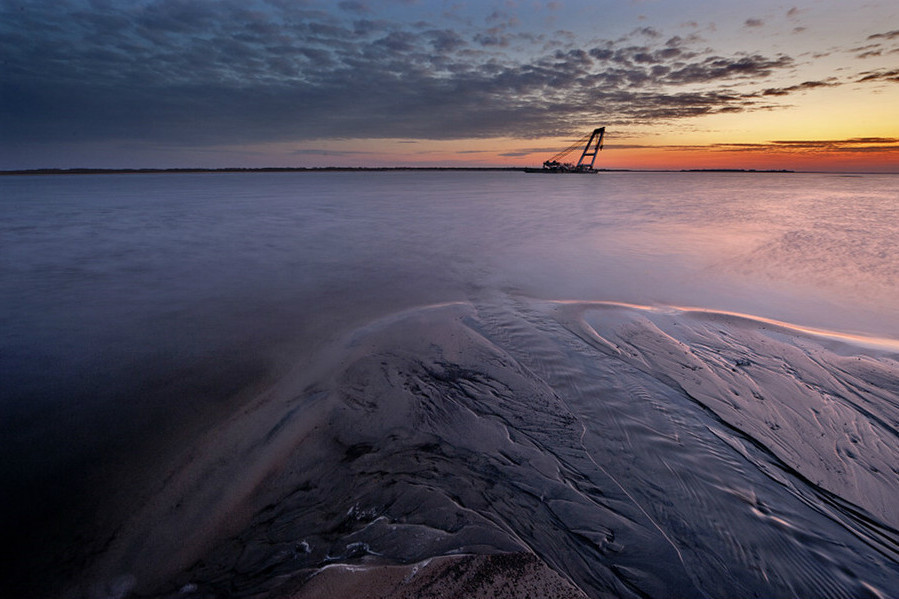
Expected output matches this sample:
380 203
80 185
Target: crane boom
585 163
578 144
597 134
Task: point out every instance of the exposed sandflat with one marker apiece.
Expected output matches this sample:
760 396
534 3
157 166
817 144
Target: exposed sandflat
673 452
499 576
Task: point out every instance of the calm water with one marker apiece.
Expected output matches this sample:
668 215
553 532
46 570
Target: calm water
212 342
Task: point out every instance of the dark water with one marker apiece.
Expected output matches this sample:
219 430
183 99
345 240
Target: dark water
213 382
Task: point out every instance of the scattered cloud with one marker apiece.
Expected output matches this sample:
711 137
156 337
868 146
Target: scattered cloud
880 75
877 46
717 68
850 145
785 91
649 32
870 54
889 35
828 146
858 144
353 6
267 71
144 73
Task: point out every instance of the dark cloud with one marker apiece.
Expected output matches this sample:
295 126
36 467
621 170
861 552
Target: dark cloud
754 23
880 75
863 145
445 40
889 35
872 140
876 48
644 55
865 48
353 6
717 68
785 91
196 73
602 53
647 31
492 37
853 145
817 146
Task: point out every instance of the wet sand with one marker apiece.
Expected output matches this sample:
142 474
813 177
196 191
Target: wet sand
560 447
502 576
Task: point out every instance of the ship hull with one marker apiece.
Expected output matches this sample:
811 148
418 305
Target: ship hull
553 171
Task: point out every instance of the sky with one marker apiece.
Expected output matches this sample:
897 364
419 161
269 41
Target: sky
801 84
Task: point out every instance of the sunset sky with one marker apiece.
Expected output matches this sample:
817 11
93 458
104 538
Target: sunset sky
804 84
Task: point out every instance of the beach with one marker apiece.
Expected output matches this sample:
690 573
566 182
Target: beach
502 388
585 433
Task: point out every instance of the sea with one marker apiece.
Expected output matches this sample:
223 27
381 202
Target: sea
662 384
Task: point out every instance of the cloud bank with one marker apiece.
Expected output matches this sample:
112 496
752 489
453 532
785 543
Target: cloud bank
177 71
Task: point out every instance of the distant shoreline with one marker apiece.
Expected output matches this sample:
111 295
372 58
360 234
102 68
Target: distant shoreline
144 171
270 169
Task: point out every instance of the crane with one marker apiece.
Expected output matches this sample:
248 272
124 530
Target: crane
591 149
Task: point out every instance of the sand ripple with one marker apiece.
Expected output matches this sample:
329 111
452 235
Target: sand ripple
634 451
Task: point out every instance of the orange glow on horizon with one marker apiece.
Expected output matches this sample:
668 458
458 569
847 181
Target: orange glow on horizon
859 154
765 157
760 159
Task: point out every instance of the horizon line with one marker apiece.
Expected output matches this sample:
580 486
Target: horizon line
300 169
